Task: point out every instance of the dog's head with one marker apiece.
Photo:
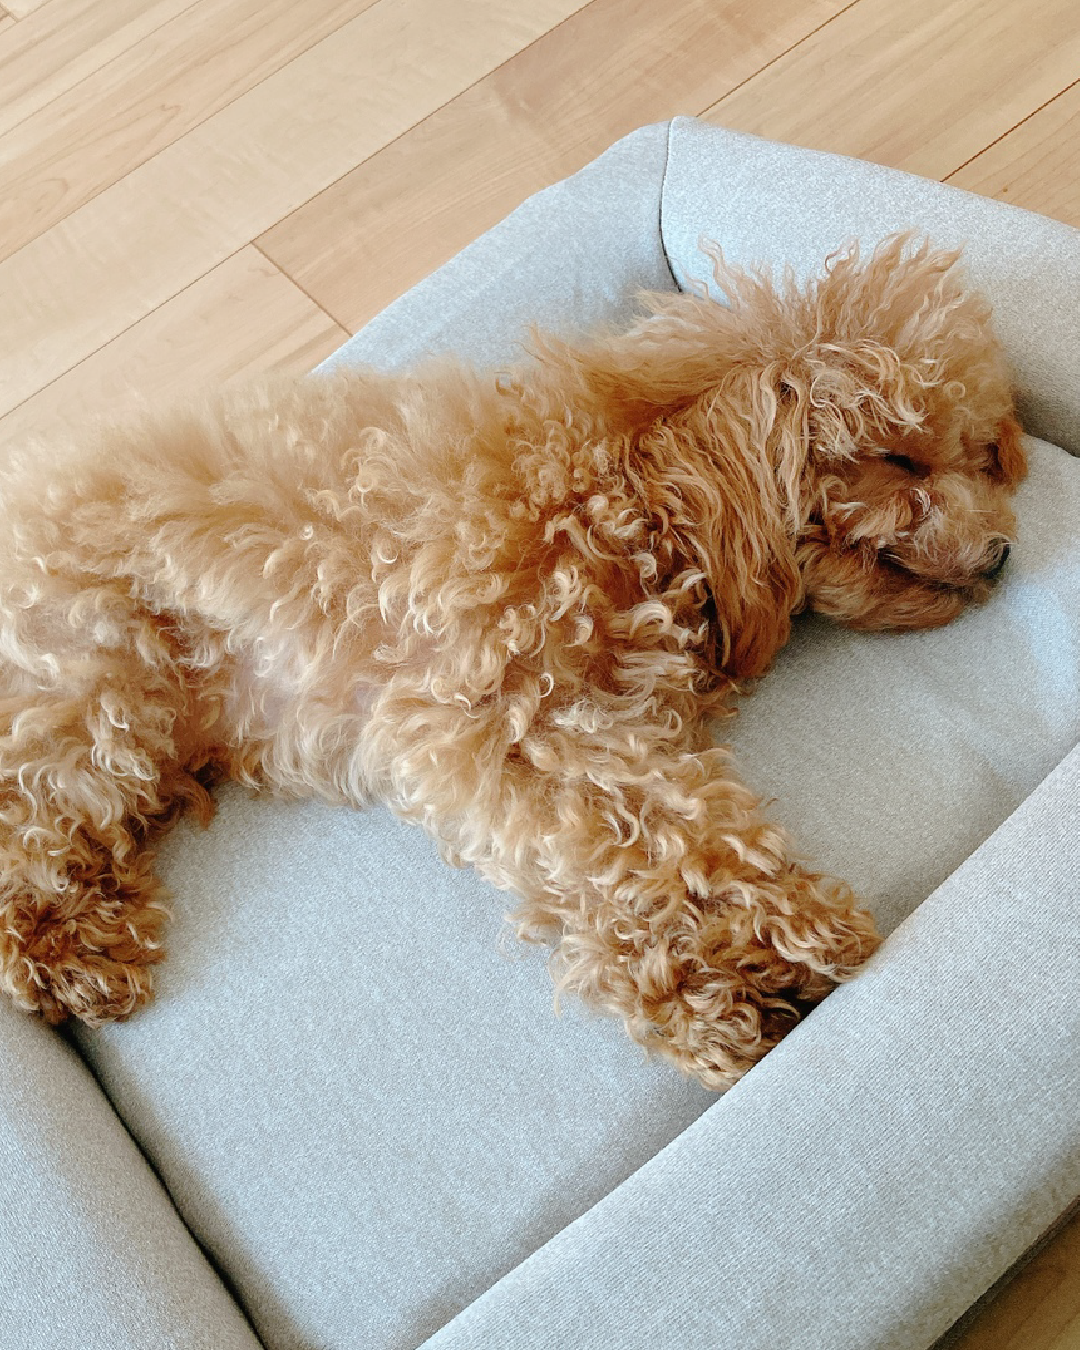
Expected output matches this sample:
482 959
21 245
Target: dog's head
912 450
848 445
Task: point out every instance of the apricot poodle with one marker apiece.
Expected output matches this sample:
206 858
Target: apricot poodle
509 605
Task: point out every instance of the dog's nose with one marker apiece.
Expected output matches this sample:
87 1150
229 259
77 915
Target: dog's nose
995 568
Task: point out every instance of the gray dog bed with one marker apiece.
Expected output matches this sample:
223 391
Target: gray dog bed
364 1119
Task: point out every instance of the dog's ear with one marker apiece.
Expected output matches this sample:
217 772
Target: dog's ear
751 626
718 517
1008 460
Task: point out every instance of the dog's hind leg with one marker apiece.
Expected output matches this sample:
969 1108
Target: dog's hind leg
95 757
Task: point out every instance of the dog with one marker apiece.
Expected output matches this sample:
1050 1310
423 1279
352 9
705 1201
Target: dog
511 605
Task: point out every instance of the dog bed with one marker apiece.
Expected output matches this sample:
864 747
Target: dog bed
352 1086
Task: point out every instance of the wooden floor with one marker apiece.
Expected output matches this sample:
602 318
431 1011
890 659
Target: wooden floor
194 189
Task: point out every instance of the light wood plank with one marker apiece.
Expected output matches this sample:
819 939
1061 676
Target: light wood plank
922 85
1037 165
1039 1309
243 317
66 41
406 210
93 133
20 8
174 218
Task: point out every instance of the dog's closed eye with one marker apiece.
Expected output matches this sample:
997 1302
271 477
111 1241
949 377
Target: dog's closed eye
908 465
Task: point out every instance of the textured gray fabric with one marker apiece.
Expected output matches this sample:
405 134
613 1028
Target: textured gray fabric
572 256
93 1254
364 1110
866 1182
766 202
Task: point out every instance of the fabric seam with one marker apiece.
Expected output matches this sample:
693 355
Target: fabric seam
660 205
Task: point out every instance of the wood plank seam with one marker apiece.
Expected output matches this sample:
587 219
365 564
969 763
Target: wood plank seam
527 135
780 56
434 111
254 243
241 93
998 139
168 300
242 170
150 33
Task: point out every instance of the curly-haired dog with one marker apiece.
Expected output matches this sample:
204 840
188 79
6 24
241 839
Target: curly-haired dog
506 605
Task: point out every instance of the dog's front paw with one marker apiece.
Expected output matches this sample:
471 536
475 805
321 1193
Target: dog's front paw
816 925
718 1023
97 966
94 988
724 985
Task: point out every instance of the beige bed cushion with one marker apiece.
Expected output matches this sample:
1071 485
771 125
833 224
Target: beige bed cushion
362 1101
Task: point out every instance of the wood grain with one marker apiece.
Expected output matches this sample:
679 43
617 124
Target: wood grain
66 41
1037 165
406 210
241 318
171 220
90 134
921 86
20 8
1039 1308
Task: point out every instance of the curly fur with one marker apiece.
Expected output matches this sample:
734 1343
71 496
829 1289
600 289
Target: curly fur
507 606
